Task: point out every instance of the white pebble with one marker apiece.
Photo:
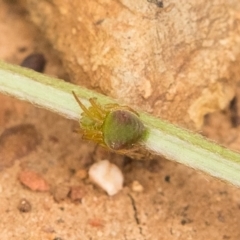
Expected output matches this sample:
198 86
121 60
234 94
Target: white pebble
107 176
136 186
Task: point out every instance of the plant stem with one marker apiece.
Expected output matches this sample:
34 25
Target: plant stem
163 138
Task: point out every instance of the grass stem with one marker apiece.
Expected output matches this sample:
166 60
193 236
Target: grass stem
164 138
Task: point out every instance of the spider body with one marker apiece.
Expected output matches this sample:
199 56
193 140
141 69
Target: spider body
121 129
113 126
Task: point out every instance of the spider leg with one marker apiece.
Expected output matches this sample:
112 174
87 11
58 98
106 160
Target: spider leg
112 106
92 135
85 110
98 108
136 152
115 106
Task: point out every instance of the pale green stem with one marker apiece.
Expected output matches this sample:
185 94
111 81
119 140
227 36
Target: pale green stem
163 138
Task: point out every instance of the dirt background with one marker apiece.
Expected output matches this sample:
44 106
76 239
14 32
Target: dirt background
176 202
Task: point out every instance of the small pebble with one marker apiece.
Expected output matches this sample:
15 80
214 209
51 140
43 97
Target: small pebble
33 180
234 112
137 187
81 173
167 178
77 193
96 222
35 61
60 192
24 205
107 176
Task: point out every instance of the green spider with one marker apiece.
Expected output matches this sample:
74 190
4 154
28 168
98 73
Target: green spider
111 125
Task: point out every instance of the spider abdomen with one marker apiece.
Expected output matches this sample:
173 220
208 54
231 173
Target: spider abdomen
122 129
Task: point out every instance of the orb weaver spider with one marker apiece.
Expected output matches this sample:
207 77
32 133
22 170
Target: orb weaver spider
111 125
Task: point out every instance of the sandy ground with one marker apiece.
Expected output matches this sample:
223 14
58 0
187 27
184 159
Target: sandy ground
176 202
